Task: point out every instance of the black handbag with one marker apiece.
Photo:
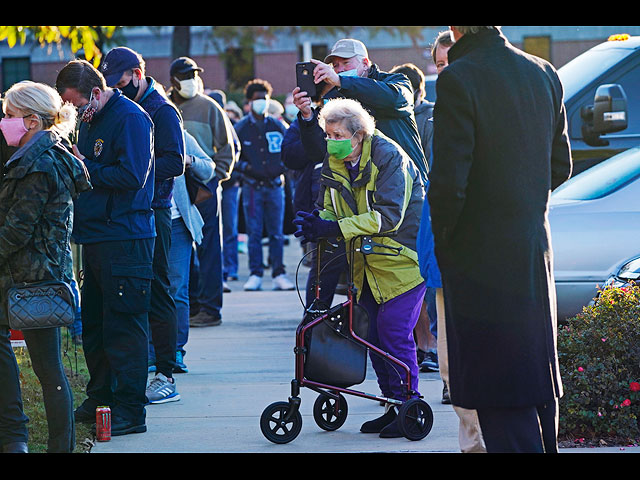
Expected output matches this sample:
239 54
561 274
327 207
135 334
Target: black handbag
198 190
333 356
46 304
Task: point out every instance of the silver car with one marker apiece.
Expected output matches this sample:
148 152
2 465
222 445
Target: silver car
595 228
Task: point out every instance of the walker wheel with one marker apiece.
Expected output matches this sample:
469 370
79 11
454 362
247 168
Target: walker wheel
415 419
330 413
274 425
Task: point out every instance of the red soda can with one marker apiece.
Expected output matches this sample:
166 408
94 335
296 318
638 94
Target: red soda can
103 424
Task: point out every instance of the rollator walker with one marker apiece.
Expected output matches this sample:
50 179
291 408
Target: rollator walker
331 356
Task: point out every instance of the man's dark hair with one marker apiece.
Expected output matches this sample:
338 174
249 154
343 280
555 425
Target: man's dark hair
257 85
81 76
444 39
415 75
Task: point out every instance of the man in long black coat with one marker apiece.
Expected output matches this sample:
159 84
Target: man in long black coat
500 147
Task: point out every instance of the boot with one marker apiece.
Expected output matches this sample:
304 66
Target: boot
376 426
392 430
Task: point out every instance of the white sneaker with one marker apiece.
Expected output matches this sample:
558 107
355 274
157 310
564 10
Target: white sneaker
254 283
161 390
281 282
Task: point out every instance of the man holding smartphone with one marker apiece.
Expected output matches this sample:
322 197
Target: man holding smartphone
349 72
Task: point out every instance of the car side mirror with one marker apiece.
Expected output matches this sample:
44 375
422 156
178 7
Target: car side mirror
608 114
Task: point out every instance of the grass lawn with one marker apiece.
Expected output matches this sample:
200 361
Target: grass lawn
73 358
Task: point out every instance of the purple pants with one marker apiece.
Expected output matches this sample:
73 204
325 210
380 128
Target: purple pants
391 327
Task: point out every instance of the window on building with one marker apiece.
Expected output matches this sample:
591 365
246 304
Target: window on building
15 70
318 51
540 46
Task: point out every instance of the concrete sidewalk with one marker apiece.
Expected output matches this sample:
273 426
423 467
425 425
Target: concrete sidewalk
239 368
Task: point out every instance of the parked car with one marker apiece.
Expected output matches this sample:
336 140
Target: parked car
613 67
595 228
628 274
596 84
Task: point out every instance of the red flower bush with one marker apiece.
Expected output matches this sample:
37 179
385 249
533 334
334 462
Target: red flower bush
601 395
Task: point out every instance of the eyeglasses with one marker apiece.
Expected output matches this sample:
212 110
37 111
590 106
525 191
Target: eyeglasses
329 138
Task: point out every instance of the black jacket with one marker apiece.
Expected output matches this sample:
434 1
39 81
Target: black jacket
388 97
500 146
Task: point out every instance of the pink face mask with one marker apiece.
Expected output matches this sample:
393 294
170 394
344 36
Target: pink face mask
13 130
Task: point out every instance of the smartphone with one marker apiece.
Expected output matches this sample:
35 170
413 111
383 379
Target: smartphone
304 78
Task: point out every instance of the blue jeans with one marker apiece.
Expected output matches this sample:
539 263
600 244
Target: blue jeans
230 196
179 262
430 298
264 208
75 329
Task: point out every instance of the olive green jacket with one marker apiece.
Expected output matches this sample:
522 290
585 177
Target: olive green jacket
37 189
384 199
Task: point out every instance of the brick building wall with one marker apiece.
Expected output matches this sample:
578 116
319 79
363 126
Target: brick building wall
277 64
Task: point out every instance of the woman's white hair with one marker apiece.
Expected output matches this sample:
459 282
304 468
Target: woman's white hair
38 99
348 112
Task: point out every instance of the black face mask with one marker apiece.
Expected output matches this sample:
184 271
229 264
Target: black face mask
130 90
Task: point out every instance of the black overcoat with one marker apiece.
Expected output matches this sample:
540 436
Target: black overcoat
500 147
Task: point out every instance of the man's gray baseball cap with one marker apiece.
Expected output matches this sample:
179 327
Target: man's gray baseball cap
347 48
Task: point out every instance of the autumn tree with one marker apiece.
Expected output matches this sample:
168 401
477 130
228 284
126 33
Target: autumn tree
88 39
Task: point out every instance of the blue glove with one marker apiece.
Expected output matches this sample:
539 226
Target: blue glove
313 228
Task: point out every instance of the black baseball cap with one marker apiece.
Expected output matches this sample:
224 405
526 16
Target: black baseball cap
183 65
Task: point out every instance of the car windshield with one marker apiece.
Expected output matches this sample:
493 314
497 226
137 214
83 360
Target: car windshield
602 179
590 64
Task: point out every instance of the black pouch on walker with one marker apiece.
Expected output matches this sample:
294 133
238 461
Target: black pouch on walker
333 356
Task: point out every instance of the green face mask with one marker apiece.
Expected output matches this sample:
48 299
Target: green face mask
340 149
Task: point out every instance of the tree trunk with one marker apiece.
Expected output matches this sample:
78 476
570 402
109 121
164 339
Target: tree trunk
181 41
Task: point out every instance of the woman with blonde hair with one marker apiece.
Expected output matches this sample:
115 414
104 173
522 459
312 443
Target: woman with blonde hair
39 182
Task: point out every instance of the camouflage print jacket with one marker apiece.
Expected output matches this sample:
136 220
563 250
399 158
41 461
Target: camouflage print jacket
37 189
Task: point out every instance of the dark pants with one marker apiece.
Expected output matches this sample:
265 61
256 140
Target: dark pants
333 262
430 300
44 351
230 197
116 298
520 430
13 421
162 317
206 278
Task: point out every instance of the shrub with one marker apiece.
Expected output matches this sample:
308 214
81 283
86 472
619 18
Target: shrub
599 353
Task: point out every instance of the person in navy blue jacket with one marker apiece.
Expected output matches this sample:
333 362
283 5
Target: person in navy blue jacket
306 160
262 185
114 223
124 69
